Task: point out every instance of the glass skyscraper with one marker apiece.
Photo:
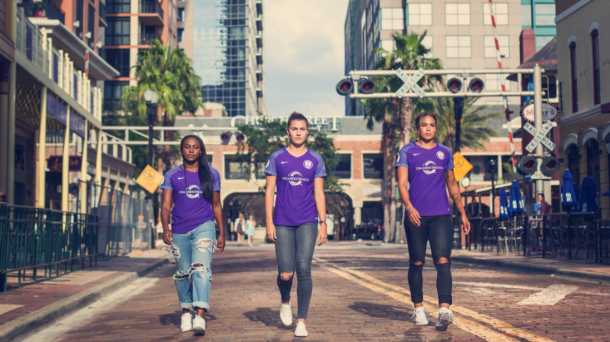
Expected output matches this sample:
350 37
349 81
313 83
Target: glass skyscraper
227 53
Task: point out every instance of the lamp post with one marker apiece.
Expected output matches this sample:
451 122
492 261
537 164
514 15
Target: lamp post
151 108
492 168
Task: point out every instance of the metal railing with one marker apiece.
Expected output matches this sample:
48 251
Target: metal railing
151 6
33 239
570 236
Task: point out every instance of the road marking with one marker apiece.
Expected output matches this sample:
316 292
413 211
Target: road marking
4 308
477 329
519 287
549 296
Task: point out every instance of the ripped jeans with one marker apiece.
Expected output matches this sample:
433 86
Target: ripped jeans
193 252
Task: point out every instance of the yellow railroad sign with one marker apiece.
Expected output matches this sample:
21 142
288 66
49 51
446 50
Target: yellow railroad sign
462 166
150 179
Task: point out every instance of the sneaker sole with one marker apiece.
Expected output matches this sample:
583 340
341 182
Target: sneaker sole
295 335
199 331
446 321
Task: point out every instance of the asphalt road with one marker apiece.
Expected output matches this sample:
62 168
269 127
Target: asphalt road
360 294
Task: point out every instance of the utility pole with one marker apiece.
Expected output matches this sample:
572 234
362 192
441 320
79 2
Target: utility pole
458 107
538 121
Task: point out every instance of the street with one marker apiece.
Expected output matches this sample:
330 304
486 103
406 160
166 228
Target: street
360 294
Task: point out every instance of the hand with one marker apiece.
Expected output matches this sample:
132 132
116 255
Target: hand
271 231
414 216
465 224
220 244
167 237
322 234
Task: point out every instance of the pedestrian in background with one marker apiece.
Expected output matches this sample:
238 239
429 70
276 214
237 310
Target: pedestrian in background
194 188
250 224
300 206
427 167
240 228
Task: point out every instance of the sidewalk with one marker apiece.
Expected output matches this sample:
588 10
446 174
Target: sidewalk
36 304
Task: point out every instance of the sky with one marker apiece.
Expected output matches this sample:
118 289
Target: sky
303 56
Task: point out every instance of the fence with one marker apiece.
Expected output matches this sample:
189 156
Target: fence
125 221
570 236
35 238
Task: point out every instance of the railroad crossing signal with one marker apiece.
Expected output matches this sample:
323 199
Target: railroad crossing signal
410 83
539 137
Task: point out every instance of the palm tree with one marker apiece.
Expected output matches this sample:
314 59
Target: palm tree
395 114
169 73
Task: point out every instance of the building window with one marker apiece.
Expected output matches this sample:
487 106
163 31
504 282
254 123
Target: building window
429 44
372 165
458 46
118 6
597 96
457 14
181 15
372 212
119 59
545 14
526 16
236 169
180 35
500 11
493 82
573 72
574 165
117 32
541 41
388 44
419 14
593 168
113 90
344 167
392 19
490 46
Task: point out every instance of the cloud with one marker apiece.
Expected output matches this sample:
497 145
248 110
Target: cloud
304 56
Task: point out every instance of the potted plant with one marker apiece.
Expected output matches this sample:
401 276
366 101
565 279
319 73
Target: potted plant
39 6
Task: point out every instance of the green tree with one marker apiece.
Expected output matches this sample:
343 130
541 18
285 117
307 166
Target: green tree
168 72
395 114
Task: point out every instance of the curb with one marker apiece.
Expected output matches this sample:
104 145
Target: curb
41 318
545 270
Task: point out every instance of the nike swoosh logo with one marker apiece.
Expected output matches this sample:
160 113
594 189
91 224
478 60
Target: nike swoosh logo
416 154
284 162
180 177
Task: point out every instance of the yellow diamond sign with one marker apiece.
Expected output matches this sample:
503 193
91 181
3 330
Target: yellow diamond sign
462 166
150 179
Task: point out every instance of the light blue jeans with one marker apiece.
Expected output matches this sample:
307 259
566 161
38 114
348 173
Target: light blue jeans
193 252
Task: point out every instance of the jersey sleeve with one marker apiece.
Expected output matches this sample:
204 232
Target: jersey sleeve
402 159
270 168
167 181
320 169
216 178
450 165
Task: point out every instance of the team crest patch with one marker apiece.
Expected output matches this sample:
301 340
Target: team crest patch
308 164
440 155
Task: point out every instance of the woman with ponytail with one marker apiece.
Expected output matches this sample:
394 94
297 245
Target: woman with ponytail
194 189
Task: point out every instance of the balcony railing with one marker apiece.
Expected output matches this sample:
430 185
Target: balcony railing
54 12
148 37
151 6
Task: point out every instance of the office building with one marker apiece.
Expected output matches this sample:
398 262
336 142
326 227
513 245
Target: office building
224 39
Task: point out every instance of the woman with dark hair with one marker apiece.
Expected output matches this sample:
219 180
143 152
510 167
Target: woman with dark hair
300 206
194 188
425 171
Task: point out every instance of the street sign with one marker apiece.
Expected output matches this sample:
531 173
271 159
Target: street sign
539 176
539 137
410 83
462 166
549 112
150 179
54 163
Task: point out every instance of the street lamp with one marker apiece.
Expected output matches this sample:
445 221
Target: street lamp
492 168
151 108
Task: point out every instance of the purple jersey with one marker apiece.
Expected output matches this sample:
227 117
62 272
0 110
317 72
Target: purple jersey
191 209
427 168
295 204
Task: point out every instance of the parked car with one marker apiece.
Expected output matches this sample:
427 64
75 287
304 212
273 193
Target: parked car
371 230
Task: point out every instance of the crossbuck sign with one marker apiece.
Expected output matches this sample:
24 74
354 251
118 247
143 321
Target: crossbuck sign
410 83
539 137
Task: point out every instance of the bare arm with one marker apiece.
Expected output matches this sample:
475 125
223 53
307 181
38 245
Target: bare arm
166 206
269 193
454 192
403 189
217 208
318 190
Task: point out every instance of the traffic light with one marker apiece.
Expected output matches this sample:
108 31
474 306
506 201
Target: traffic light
454 85
476 85
240 137
345 87
527 165
366 86
549 166
492 166
225 137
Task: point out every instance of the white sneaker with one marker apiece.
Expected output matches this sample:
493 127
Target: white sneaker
286 314
445 319
301 330
186 322
199 325
420 316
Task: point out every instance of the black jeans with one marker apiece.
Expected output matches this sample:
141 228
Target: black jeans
294 248
439 230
